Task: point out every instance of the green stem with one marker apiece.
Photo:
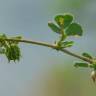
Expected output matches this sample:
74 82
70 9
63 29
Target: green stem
77 56
51 46
62 38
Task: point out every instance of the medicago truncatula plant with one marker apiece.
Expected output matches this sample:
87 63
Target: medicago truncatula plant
65 27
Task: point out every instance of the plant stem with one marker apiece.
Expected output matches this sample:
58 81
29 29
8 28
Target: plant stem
77 56
51 46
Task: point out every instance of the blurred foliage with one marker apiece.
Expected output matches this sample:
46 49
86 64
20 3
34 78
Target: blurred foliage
10 48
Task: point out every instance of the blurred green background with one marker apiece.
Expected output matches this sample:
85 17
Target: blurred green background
43 71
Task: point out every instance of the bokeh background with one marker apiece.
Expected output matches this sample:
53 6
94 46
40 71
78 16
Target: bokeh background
43 71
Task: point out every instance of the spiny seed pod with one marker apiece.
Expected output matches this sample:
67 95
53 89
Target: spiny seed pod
93 75
13 53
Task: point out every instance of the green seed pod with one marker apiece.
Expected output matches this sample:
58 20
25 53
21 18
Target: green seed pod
13 53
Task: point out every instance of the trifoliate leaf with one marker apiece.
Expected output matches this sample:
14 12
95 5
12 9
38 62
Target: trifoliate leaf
64 20
54 27
87 55
74 29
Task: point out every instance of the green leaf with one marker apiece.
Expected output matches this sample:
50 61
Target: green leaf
87 55
81 65
67 44
94 66
74 30
64 20
54 27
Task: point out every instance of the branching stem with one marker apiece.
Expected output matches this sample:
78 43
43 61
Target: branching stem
53 47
